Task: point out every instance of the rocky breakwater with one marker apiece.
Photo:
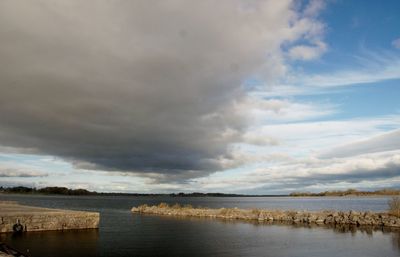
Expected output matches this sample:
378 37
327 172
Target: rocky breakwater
319 218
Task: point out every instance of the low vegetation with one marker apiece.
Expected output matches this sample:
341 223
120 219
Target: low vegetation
175 206
163 205
394 206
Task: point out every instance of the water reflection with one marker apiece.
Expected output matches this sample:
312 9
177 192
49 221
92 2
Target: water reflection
352 230
396 240
55 243
148 235
122 233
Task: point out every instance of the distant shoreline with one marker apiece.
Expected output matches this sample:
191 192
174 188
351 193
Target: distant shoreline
203 196
348 192
83 192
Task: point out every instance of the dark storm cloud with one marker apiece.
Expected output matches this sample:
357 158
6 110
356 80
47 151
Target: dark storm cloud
133 85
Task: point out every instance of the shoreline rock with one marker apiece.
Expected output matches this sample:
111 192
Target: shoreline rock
356 218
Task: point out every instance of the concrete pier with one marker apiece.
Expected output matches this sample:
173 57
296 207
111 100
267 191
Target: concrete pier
43 219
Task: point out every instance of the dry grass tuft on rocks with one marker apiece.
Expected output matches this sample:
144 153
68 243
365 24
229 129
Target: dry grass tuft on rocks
163 205
394 206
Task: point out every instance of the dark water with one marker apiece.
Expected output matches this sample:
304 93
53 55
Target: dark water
122 233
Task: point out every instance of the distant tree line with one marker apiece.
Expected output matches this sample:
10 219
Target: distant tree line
197 194
45 190
67 191
349 192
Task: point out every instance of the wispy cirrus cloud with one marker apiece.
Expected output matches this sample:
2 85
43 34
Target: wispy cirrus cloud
380 143
396 43
368 68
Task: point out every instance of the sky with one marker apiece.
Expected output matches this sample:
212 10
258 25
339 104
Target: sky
233 96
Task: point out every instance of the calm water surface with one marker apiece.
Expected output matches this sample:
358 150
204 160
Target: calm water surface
122 233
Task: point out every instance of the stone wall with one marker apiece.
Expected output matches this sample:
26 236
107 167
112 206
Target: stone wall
41 219
296 217
50 221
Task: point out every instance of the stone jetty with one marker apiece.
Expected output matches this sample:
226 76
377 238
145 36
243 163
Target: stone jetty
20 218
296 217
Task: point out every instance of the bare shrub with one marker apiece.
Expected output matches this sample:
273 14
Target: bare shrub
223 211
163 205
394 206
143 207
256 211
176 206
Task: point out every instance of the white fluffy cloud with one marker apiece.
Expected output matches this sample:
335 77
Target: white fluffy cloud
308 52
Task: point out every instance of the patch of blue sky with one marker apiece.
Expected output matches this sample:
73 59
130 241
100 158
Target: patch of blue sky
374 23
360 101
354 28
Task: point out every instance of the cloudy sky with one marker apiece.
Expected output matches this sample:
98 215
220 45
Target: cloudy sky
235 96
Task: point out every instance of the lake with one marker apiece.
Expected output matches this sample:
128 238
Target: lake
122 233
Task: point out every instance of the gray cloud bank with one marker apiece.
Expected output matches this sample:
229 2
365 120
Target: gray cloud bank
133 85
20 173
386 142
371 170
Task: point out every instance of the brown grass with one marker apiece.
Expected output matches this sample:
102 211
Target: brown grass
176 206
291 213
163 205
394 206
256 211
142 207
